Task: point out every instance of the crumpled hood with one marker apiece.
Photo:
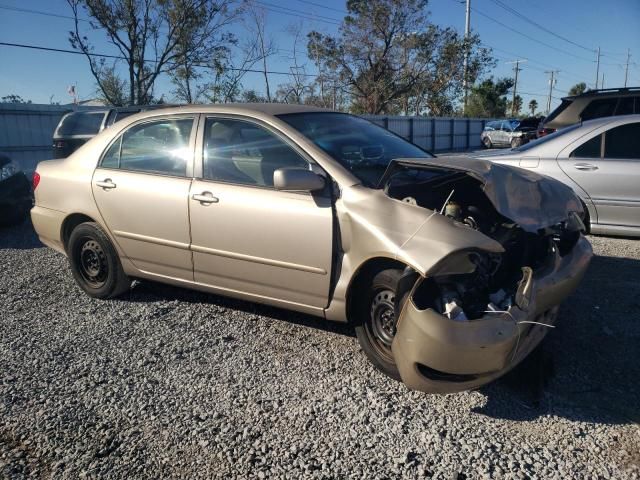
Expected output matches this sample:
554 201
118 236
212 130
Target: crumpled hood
531 200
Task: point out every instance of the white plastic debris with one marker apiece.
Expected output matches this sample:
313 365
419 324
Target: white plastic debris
454 311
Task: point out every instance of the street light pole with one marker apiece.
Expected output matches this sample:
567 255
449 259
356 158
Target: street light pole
467 30
515 85
597 68
551 83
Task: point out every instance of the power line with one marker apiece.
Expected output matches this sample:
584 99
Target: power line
322 6
544 29
118 57
489 17
40 12
298 13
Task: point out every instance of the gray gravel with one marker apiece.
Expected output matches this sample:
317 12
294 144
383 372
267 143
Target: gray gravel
168 383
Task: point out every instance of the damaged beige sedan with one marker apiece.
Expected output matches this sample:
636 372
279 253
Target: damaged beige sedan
450 269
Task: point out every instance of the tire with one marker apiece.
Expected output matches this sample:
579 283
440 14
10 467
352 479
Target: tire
486 141
516 142
94 262
376 318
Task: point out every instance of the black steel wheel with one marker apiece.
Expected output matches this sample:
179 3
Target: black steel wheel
376 322
95 263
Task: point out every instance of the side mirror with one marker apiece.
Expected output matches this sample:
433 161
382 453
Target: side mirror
297 179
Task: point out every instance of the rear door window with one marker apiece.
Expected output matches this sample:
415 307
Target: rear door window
589 149
623 142
603 107
161 146
625 106
80 123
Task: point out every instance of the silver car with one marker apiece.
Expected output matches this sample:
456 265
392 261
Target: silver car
507 133
600 160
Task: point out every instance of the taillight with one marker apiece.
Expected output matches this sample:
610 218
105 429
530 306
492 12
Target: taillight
36 180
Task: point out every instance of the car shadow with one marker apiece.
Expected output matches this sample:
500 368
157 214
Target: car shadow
148 291
588 367
20 237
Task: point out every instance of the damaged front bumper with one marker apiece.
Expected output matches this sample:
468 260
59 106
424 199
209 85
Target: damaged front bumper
435 354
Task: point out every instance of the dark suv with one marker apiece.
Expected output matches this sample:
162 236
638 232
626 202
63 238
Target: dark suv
76 128
593 104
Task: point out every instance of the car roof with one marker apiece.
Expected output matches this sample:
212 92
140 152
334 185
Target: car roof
265 108
606 93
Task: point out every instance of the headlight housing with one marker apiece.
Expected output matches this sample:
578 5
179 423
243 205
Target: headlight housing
8 170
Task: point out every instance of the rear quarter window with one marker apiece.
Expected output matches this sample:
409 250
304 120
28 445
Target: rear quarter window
603 107
80 123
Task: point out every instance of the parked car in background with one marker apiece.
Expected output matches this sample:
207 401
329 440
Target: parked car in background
76 128
541 131
600 160
15 193
444 274
593 104
508 133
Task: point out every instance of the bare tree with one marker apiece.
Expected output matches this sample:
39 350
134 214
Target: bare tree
299 88
227 83
152 36
256 26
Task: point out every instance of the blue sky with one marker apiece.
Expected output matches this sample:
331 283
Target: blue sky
612 25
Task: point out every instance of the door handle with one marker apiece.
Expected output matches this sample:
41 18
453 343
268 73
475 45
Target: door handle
106 184
585 166
205 198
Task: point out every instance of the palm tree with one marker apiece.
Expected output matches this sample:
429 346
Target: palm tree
578 89
533 104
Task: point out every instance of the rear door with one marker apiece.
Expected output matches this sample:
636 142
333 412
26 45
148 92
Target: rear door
607 167
141 188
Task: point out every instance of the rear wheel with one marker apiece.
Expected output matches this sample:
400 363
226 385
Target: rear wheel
376 321
94 262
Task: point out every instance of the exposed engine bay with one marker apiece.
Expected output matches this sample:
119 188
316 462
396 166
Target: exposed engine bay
493 284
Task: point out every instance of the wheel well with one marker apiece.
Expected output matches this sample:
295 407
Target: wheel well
363 276
587 217
71 222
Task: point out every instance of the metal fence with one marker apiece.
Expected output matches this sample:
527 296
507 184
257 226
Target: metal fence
435 134
26 131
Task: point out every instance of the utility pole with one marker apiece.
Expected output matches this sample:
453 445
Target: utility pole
597 68
515 85
467 31
626 69
552 82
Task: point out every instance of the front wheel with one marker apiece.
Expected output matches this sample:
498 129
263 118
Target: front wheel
516 142
95 263
486 141
376 321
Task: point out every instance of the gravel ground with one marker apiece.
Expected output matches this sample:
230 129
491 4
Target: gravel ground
168 383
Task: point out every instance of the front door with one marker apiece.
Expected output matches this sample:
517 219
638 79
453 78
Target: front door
607 167
141 187
248 237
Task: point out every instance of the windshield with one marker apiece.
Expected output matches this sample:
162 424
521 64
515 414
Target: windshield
546 138
362 147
